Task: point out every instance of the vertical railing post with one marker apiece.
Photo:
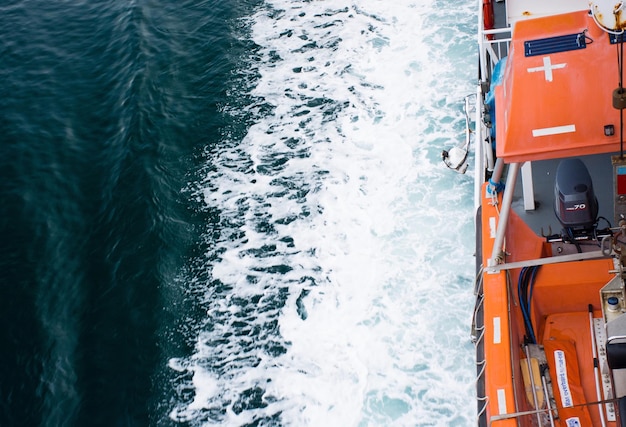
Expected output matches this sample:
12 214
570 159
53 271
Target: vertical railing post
507 199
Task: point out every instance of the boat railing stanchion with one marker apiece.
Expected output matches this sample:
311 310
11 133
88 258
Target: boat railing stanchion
497 170
497 255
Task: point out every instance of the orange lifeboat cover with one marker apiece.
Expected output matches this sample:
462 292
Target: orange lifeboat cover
557 104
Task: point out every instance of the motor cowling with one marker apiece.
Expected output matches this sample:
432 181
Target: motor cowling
575 205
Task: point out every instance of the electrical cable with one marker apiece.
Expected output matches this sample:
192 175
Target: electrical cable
525 285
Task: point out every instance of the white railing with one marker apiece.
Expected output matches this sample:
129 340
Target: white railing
493 50
493 46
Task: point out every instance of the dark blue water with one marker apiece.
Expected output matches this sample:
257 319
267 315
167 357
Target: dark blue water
107 111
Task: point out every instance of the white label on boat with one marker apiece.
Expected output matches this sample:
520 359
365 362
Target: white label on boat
492 227
497 334
561 378
501 401
573 422
554 130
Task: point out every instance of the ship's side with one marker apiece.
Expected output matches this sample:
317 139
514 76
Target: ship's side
550 171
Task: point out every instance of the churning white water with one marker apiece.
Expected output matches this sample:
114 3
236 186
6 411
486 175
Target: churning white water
338 283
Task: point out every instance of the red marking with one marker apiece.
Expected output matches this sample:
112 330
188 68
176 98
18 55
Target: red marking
621 184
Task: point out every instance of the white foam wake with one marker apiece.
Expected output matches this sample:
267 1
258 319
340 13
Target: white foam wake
345 244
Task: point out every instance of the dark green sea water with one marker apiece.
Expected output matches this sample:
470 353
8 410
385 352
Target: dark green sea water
106 111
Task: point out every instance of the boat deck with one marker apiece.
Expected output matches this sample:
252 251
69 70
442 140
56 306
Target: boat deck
543 220
567 328
517 10
511 11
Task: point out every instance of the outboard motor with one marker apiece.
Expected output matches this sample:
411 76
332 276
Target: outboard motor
576 205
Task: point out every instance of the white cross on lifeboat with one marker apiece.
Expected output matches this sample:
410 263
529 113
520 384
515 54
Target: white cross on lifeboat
547 68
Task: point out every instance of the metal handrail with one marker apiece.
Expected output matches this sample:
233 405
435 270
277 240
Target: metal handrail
558 259
487 51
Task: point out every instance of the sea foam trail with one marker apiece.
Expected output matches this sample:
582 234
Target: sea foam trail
339 270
